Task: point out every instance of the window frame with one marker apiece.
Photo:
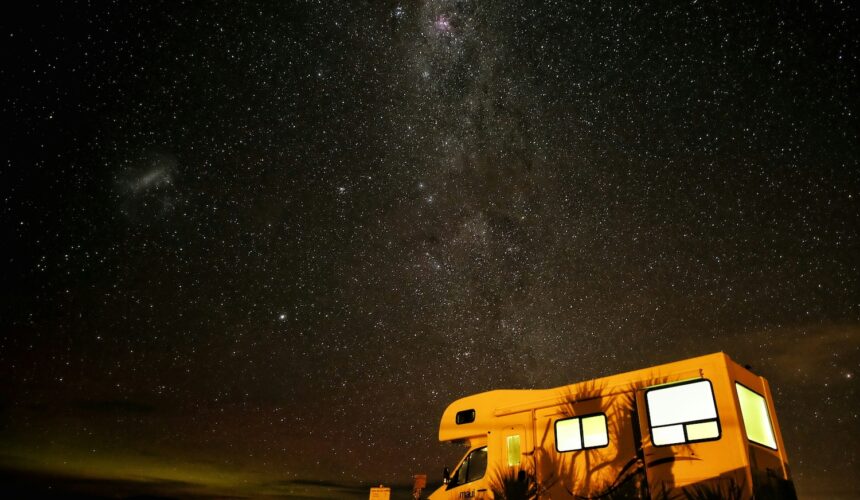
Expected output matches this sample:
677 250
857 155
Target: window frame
684 424
769 418
468 416
581 433
467 461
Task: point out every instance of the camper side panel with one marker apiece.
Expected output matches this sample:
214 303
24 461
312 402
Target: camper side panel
760 435
588 447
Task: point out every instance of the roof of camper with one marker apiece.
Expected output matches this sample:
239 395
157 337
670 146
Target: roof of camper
492 404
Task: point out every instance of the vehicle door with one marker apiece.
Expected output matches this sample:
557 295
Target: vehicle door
469 479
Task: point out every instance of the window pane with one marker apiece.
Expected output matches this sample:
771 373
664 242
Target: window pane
667 435
477 465
567 435
465 417
514 450
681 403
461 472
594 431
703 430
756 417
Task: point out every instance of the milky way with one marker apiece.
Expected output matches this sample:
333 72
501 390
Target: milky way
257 249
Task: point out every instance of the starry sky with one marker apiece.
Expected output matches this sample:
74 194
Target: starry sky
255 249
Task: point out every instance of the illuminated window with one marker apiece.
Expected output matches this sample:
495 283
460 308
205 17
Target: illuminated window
581 433
682 413
756 417
513 450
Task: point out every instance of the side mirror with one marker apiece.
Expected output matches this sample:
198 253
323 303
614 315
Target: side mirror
446 476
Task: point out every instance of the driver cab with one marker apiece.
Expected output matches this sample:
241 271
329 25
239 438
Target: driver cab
491 441
466 480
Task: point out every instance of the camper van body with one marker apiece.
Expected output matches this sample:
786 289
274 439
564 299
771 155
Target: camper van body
699 428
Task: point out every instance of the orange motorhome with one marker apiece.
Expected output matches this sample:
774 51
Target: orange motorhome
703 427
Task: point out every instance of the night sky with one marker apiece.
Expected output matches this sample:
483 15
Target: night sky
256 249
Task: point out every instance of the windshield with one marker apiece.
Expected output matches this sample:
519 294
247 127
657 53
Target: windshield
473 468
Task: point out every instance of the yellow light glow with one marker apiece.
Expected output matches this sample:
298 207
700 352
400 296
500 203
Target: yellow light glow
594 431
513 450
756 417
567 435
703 430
